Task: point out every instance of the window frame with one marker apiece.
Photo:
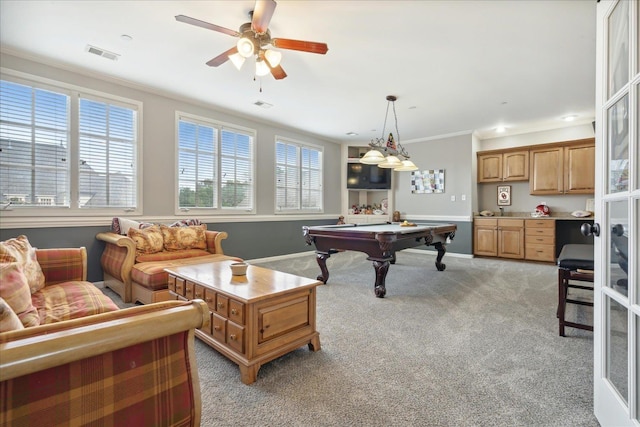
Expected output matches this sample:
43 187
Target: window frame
300 145
220 126
75 93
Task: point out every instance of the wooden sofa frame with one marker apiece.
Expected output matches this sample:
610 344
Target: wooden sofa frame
116 368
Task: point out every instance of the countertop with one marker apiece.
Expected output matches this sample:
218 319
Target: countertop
527 215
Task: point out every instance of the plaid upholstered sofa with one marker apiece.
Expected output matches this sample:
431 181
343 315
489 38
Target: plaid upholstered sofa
135 256
42 286
117 369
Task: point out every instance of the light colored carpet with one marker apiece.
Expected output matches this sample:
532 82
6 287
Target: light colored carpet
475 345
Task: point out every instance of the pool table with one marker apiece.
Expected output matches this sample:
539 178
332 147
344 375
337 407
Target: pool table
379 241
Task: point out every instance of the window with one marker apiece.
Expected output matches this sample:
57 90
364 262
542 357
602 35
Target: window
298 176
215 165
45 162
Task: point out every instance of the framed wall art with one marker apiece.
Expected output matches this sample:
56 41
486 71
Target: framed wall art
427 181
504 195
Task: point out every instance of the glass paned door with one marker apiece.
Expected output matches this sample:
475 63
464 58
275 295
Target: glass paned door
617 209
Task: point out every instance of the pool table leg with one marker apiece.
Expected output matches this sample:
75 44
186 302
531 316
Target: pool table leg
441 251
381 267
322 263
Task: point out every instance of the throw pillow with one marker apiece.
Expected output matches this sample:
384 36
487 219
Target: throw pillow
122 225
186 222
14 289
177 238
20 250
148 240
8 318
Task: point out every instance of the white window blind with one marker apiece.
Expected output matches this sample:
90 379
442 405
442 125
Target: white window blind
107 165
34 144
45 162
298 177
215 165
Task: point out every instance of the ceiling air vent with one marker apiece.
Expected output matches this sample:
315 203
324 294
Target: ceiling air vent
101 52
263 104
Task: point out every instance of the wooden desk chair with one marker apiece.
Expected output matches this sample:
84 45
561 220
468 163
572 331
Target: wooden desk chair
575 263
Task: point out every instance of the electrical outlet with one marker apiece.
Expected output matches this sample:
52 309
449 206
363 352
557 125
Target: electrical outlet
453 198
463 197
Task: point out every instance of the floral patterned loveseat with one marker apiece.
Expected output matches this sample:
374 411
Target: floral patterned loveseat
136 254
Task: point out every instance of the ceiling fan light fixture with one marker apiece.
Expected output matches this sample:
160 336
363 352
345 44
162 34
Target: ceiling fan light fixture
245 47
237 60
262 69
273 57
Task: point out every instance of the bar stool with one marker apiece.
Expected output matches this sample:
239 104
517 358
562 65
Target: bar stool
575 263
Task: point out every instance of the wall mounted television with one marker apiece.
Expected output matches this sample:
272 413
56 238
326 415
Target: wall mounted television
368 177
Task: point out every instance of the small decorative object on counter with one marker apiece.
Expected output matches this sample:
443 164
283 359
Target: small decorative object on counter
340 220
396 216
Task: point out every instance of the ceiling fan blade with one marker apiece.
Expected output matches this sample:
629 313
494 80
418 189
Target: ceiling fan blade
278 73
262 13
304 46
208 26
222 58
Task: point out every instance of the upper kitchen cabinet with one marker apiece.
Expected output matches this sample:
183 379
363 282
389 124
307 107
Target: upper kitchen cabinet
566 168
503 166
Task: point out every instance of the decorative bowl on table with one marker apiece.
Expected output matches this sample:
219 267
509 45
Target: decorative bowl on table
239 268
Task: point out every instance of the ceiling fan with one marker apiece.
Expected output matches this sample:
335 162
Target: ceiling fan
255 40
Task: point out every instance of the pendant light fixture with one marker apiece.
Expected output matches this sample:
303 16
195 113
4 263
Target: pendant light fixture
389 153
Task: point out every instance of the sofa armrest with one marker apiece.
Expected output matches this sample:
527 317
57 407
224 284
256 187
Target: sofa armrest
214 241
118 256
63 264
122 349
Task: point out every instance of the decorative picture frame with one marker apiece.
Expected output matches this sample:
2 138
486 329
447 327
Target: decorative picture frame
427 181
504 195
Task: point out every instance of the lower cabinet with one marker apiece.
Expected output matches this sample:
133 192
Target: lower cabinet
530 239
485 237
511 238
540 240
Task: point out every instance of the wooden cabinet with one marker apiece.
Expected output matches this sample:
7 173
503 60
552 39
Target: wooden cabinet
579 169
507 166
485 233
540 240
511 238
499 237
254 318
563 169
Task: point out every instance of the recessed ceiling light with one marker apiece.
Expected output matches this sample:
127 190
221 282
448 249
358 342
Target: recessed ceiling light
570 117
351 133
501 129
126 37
413 107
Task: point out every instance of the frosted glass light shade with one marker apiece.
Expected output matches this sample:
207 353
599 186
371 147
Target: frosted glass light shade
372 157
407 166
273 57
237 60
391 162
245 47
262 69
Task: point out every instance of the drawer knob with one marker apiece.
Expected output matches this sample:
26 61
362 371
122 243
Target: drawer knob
220 305
234 311
216 327
232 337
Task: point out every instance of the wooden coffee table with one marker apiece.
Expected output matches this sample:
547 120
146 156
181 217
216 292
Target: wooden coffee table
255 318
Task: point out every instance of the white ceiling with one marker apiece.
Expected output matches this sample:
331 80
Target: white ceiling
455 66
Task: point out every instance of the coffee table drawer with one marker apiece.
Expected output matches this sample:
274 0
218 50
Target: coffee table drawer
235 337
218 327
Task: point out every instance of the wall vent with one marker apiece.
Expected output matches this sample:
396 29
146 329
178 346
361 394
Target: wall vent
101 52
